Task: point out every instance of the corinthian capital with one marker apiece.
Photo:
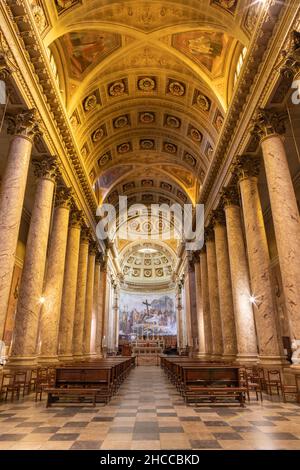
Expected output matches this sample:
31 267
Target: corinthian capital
26 123
218 217
47 168
291 66
246 166
230 196
64 197
209 233
268 122
76 218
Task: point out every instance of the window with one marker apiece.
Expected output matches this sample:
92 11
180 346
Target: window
239 65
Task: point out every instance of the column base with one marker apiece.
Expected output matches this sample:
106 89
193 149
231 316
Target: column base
66 358
48 360
200 355
272 360
247 359
229 357
215 357
21 361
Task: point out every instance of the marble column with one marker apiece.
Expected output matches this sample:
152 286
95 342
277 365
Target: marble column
225 290
97 307
214 303
68 303
24 126
188 320
241 291
31 286
180 342
104 305
200 315
270 352
89 298
269 127
80 295
53 286
205 300
116 316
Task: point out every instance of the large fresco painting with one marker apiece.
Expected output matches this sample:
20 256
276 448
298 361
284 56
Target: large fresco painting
85 49
207 48
147 314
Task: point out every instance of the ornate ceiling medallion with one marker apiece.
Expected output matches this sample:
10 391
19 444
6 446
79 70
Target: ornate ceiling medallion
146 84
147 144
117 88
90 102
219 122
121 121
189 159
97 134
170 148
203 102
124 148
172 121
147 118
165 186
104 159
195 134
176 88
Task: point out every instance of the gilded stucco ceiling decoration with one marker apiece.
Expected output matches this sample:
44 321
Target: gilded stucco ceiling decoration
145 85
147 263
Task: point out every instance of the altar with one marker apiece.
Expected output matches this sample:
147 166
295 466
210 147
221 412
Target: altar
147 351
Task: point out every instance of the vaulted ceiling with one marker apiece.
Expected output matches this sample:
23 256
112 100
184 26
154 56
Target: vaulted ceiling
146 86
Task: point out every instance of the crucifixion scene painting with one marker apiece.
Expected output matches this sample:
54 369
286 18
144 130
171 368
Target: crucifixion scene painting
147 314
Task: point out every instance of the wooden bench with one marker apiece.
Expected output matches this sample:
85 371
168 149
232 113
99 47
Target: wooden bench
54 394
212 382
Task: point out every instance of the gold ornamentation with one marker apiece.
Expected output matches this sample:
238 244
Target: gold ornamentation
76 218
104 159
176 88
97 134
147 144
90 102
170 148
121 121
147 118
64 197
195 134
117 88
189 159
39 16
203 102
25 123
173 122
268 122
47 168
124 148
246 166
146 84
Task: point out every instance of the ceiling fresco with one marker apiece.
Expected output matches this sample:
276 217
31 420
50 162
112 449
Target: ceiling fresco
147 85
207 48
85 49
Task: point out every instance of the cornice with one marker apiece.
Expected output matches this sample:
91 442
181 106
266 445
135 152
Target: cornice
26 33
257 80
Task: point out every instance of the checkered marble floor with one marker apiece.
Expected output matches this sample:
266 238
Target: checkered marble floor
148 413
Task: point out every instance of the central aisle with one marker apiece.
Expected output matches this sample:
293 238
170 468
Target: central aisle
148 413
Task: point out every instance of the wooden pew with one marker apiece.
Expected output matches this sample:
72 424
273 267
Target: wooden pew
95 380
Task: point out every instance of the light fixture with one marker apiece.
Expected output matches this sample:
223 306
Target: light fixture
42 300
252 299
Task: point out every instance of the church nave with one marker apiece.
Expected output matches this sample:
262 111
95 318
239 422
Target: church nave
148 413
